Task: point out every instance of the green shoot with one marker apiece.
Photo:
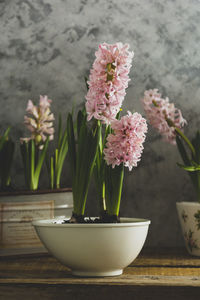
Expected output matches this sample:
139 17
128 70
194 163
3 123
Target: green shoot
33 159
82 154
6 158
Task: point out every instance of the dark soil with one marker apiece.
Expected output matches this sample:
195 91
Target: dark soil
104 218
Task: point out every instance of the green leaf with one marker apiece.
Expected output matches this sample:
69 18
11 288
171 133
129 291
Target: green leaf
196 144
194 163
86 83
40 163
186 160
99 171
85 167
82 148
113 188
59 131
118 115
93 141
61 157
189 168
56 159
80 120
4 137
82 158
24 147
6 159
71 144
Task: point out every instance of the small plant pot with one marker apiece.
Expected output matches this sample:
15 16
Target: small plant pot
189 217
19 209
94 250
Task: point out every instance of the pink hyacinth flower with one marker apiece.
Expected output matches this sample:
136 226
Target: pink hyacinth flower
39 123
108 81
125 145
162 115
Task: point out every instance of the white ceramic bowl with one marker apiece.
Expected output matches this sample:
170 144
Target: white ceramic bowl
94 249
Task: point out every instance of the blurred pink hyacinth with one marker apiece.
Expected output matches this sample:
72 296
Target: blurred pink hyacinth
125 145
108 81
40 123
162 115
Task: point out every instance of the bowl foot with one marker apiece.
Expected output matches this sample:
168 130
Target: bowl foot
96 273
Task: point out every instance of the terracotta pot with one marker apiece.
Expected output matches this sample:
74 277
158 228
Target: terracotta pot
19 209
189 217
94 249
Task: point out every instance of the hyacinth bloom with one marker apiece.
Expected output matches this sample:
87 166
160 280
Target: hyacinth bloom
108 81
39 123
162 115
125 144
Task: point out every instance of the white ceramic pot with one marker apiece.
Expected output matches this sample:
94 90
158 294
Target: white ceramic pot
94 249
189 217
19 209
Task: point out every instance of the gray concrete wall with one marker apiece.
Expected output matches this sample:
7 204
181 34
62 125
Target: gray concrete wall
47 47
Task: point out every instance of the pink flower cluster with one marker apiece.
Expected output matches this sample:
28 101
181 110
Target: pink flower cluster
40 123
108 81
162 115
125 145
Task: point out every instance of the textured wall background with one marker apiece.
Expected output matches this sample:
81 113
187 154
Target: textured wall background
47 47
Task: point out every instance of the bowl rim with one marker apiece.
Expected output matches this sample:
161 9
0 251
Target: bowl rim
187 203
125 222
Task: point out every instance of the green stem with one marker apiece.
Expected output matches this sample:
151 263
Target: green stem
198 186
8 181
32 186
103 197
52 171
56 169
117 207
114 183
99 171
180 133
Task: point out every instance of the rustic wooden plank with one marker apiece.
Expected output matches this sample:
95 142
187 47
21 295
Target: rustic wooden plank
43 272
126 279
45 266
156 274
83 292
173 261
166 257
148 257
164 271
48 263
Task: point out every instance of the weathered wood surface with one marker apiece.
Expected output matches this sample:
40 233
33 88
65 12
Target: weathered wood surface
155 274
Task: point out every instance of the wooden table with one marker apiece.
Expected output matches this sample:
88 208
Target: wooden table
156 274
